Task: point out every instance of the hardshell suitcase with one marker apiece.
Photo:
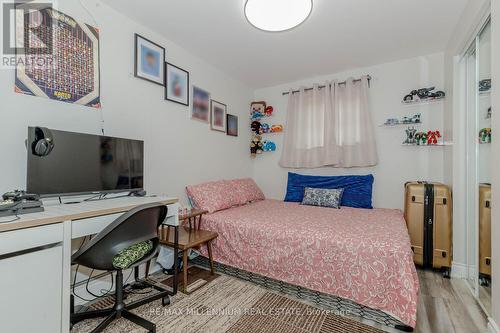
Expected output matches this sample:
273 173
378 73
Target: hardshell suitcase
428 215
485 230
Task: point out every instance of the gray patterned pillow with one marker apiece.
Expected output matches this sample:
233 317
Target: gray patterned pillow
323 197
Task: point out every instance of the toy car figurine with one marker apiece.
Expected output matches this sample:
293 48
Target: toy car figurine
424 93
391 122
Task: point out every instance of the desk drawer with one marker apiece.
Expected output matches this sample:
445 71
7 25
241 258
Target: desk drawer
94 225
31 293
91 226
30 238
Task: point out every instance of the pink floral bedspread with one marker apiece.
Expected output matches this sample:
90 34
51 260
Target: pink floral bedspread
359 254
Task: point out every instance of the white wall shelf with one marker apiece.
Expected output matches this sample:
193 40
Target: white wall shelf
441 144
423 101
400 124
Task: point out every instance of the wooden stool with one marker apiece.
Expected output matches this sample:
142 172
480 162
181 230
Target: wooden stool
190 236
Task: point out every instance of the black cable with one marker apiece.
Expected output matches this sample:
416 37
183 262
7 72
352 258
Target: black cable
128 277
98 196
92 198
17 217
76 273
102 294
15 209
73 289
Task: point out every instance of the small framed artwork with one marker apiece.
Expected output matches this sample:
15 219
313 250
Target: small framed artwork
232 125
149 61
218 116
176 84
201 105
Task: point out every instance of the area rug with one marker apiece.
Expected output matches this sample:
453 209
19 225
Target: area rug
197 278
231 305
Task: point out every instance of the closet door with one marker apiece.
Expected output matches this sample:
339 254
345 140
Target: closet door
484 138
471 145
476 64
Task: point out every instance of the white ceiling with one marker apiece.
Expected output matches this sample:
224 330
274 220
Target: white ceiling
339 34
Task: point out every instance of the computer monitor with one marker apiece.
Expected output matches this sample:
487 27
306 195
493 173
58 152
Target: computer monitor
84 163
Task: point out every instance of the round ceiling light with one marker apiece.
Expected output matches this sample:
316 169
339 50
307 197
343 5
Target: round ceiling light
277 15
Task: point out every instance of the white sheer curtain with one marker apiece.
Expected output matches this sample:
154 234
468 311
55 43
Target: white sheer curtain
329 127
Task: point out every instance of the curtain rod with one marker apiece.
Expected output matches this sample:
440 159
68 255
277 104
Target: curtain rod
320 87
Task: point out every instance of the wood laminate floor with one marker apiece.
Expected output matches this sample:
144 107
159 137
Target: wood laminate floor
447 306
485 297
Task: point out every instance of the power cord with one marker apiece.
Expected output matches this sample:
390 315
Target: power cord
88 280
76 273
17 217
99 196
103 294
15 209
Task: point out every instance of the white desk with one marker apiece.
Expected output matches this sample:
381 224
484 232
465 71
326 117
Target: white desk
35 260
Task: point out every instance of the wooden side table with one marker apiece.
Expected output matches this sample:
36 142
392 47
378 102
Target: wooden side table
190 236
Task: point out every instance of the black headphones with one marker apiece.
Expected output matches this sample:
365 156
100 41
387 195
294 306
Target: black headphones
43 143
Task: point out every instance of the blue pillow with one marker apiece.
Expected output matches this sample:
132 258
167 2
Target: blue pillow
357 189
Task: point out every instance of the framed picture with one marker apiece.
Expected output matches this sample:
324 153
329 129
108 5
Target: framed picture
176 84
232 125
218 116
149 61
201 105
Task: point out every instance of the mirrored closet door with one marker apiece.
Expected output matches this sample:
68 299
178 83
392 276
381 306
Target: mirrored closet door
477 68
471 64
484 167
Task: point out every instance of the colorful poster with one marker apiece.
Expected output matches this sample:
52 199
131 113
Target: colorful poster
60 59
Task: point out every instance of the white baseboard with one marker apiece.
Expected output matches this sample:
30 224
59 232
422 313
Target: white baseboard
492 326
459 270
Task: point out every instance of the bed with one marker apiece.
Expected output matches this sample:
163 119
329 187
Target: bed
363 255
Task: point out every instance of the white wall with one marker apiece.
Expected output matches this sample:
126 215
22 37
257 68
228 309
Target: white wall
397 164
178 151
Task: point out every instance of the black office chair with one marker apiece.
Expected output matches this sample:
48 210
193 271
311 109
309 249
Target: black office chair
134 227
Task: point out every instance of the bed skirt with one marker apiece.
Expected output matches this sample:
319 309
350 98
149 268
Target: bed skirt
324 301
